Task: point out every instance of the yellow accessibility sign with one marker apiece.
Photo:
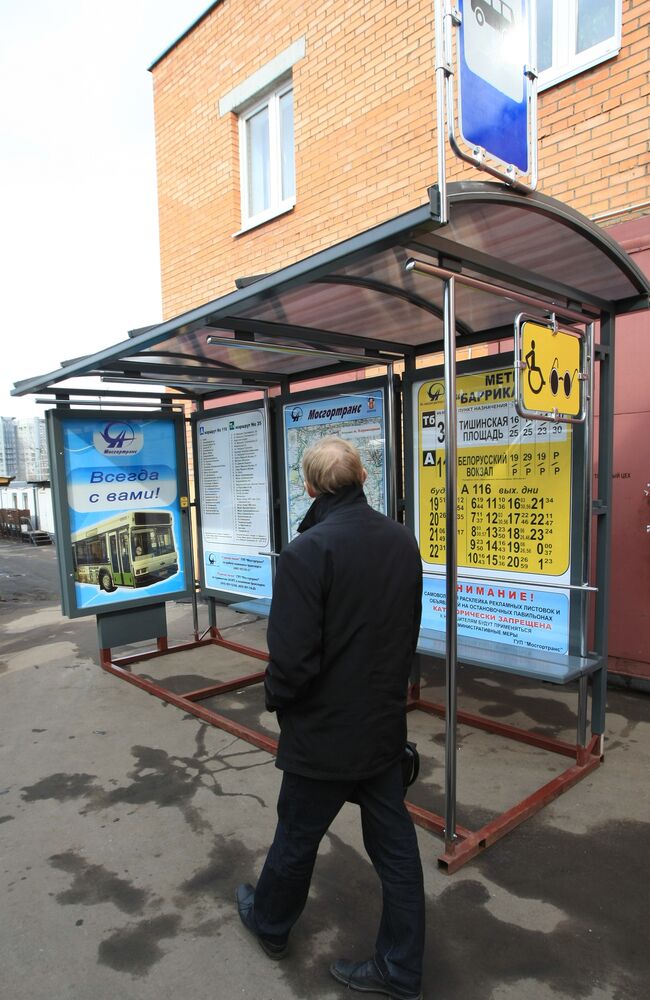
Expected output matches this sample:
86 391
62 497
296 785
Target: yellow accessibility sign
550 370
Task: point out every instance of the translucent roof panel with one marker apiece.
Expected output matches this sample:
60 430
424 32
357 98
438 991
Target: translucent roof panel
377 300
355 303
559 245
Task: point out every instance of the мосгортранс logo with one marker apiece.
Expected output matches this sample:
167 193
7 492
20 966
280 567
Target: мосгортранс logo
118 438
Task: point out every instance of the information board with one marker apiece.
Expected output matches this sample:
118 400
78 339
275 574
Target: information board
513 514
119 490
357 417
234 512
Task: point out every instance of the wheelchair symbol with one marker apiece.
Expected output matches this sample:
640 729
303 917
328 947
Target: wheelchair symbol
556 381
536 380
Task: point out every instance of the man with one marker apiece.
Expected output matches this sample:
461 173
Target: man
342 633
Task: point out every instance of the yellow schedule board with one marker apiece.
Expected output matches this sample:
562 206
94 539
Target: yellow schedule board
514 480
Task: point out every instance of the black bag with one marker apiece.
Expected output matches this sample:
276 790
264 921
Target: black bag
410 765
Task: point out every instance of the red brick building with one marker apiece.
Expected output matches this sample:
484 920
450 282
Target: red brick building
283 127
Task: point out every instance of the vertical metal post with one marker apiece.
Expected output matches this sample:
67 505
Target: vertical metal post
451 543
269 480
441 85
212 616
392 448
582 711
588 485
195 607
531 73
588 491
603 528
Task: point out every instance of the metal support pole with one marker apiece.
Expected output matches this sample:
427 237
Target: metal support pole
212 616
603 528
269 480
441 85
582 710
195 606
392 445
587 486
451 542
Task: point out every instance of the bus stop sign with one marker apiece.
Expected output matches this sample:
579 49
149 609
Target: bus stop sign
493 53
550 372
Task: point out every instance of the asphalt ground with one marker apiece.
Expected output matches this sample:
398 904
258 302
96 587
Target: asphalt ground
125 826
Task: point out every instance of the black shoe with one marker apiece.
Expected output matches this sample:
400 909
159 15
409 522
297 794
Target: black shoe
245 897
366 978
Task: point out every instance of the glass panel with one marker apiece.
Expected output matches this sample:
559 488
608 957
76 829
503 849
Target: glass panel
257 141
286 143
544 34
596 22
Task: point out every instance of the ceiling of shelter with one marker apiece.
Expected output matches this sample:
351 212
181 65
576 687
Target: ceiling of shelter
356 304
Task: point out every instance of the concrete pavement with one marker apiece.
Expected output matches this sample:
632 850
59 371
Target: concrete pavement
125 826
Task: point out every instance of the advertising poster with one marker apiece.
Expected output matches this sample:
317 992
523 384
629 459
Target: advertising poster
124 509
358 418
513 516
234 502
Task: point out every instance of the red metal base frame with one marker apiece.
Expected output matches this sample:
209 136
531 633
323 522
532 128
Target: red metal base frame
468 843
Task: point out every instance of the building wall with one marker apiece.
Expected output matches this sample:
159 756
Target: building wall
37 500
8 456
31 448
366 151
364 132
629 637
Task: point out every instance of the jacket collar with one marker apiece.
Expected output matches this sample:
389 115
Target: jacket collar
325 503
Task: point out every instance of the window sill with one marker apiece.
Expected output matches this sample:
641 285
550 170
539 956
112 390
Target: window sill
574 69
261 220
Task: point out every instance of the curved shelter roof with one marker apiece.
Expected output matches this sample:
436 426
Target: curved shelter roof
356 303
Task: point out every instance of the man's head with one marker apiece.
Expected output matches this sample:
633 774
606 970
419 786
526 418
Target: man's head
331 464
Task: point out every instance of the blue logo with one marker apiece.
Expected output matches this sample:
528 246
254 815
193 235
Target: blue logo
296 414
118 438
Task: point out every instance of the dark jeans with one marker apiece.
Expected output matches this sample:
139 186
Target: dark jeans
306 807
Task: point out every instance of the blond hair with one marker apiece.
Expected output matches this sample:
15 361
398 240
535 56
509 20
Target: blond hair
332 463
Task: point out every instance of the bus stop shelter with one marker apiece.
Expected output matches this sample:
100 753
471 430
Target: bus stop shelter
389 297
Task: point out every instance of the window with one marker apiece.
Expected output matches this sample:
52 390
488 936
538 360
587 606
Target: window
153 542
263 103
268 180
573 35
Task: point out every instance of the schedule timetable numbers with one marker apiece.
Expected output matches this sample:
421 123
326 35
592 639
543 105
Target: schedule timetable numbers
514 480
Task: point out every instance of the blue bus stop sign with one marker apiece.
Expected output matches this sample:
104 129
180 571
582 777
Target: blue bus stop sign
493 53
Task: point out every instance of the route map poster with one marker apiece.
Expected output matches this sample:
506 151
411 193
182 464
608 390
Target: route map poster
358 418
513 515
233 493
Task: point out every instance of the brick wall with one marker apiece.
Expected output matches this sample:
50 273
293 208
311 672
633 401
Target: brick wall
364 132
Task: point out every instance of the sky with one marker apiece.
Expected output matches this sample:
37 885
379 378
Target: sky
79 254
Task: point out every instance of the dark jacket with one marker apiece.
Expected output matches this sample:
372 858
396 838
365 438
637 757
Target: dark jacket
342 632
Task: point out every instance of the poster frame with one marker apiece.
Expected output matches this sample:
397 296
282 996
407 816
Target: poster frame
578 544
316 395
229 596
56 419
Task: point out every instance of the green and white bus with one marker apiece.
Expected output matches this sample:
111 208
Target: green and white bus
134 549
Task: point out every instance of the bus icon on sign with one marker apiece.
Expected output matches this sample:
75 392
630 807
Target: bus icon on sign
496 13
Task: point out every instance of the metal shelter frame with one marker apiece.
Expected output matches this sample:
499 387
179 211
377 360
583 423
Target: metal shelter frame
434 278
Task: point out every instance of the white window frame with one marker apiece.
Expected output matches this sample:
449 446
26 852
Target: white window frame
277 204
565 61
